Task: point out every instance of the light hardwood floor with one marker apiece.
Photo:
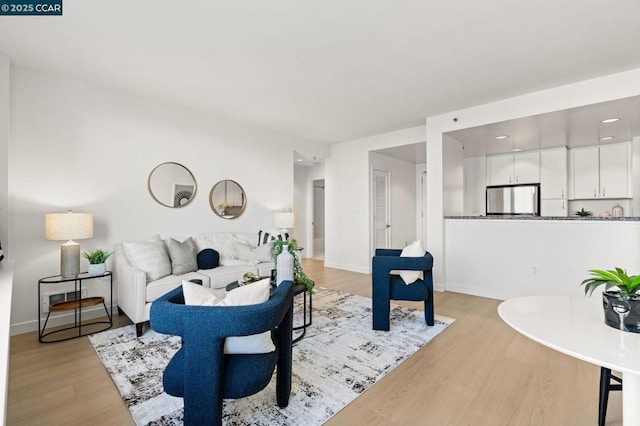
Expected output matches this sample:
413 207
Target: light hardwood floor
477 372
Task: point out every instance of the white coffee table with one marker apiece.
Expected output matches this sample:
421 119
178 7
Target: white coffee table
575 326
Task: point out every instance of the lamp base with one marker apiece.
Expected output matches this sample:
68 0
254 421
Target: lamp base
69 258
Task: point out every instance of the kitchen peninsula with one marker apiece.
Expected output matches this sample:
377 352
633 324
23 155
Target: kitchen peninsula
504 257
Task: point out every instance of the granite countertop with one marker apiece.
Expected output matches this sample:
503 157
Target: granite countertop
524 217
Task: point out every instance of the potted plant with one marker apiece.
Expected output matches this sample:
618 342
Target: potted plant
621 307
299 277
97 259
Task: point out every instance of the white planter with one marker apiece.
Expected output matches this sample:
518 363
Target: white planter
97 268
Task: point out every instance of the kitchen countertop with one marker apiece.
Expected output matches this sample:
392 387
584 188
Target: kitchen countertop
524 217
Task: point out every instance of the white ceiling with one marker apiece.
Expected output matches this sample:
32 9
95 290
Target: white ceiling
330 70
571 128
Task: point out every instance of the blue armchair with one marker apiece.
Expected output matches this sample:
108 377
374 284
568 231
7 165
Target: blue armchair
201 373
387 287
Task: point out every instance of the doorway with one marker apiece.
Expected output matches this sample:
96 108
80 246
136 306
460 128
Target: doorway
318 219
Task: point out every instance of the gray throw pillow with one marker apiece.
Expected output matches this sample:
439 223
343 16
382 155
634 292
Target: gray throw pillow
183 256
149 256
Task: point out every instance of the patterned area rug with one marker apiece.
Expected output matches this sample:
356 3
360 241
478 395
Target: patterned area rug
338 359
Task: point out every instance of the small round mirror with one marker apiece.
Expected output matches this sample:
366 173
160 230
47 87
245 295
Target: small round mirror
227 199
171 184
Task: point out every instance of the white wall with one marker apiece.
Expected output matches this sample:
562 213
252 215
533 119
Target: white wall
4 151
602 89
300 205
403 198
453 179
316 209
347 197
474 186
509 258
90 149
6 288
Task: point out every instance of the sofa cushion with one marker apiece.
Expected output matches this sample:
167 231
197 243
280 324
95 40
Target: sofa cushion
414 249
164 285
183 256
149 256
251 294
208 259
222 242
254 254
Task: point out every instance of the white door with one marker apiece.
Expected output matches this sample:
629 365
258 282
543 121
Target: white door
381 210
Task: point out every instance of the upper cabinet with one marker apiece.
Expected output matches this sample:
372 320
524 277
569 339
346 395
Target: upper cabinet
601 171
512 169
553 173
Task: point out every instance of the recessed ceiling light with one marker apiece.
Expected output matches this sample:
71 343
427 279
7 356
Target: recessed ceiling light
502 137
610 120
607 138
299 159
517 149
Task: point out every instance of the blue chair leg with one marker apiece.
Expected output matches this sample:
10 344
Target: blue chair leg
429 314
381 309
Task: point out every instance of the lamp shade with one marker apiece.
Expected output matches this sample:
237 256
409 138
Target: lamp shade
68 226
284 219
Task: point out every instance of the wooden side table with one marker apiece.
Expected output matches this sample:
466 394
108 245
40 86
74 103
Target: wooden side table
77 305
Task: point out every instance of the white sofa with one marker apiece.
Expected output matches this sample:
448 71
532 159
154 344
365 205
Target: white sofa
142 274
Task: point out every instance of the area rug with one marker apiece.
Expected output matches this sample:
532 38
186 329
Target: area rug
338 359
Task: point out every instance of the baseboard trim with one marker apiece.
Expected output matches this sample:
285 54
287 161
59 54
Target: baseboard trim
347 267
474 291
62 319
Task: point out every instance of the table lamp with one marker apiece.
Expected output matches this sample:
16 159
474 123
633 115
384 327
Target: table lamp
284 220
69 226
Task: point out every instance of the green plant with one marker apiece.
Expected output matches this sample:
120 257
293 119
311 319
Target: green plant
583 213
628 285
97 256
299 277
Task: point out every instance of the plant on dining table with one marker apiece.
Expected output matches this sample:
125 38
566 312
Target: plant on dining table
628 286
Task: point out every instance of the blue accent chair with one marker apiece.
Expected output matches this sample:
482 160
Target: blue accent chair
387 287
201 373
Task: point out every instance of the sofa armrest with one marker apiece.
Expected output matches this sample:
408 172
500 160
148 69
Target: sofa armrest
131 283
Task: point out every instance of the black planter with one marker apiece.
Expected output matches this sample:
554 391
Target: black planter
619 313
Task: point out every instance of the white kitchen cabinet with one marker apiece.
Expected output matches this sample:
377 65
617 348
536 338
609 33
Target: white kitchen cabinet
500 169
553 207
512 169
601 171
553 173
527 167
614 170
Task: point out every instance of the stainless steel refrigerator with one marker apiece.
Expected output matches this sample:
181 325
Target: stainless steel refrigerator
513 200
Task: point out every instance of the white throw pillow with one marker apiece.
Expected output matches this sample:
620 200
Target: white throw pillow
149 256
414 249
250 294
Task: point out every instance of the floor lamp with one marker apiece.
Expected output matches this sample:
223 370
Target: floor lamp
69 226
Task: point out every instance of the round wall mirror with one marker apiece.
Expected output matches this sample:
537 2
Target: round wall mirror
171 184
227 199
